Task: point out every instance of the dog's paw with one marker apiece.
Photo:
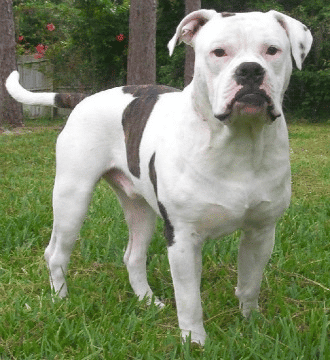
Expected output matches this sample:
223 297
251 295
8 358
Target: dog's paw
247 307
193 337
159 303
56 297
149 300
248 302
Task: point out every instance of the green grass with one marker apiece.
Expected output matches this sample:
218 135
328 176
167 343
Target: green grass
102 319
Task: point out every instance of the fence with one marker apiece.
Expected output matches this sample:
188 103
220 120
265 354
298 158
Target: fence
36 76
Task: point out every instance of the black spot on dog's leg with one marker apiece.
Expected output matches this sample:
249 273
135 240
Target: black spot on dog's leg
152 173
169 229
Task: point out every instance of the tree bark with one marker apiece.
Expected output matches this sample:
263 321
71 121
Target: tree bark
191 5
10 110
141 63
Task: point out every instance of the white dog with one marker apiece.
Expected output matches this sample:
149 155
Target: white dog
210 159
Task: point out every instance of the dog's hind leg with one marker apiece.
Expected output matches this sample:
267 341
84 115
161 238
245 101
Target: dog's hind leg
77 172
140 218
70 203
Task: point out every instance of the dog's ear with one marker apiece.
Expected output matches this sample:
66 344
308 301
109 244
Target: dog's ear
299 35
189 27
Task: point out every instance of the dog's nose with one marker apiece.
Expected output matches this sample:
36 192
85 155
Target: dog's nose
249 73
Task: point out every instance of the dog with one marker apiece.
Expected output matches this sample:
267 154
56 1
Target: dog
209 160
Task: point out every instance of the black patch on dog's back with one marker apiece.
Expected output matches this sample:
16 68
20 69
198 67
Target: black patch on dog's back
168 230
148 90
227 14
68 100
135 118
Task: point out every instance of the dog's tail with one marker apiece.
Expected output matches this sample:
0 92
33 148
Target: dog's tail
33 98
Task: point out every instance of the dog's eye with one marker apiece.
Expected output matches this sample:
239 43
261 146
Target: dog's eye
219 52
272 50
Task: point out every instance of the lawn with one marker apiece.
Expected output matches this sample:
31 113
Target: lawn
102 319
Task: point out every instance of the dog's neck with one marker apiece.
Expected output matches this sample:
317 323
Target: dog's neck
248 137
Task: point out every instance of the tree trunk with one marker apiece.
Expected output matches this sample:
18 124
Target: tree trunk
10 110
191 5
141 63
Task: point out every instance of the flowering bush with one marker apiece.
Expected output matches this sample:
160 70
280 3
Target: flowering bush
85 41
24 47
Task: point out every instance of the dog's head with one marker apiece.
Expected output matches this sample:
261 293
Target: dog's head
243 61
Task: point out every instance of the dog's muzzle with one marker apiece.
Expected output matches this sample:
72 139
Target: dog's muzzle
250 76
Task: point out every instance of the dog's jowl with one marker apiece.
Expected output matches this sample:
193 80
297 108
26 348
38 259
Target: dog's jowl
211 159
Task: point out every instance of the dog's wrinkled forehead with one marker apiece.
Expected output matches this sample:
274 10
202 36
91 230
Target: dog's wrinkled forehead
248 29
208 25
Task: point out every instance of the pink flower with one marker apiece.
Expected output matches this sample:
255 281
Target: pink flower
120 37
40 48
51 27
21 38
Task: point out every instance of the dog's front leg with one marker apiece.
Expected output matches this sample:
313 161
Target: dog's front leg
254 252
185 257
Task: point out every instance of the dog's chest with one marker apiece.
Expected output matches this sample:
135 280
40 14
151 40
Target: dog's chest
226 206
236 185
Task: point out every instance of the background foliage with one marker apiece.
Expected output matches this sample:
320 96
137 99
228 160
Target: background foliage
87 54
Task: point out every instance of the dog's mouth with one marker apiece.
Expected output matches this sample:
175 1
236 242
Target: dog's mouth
253 102
256 99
